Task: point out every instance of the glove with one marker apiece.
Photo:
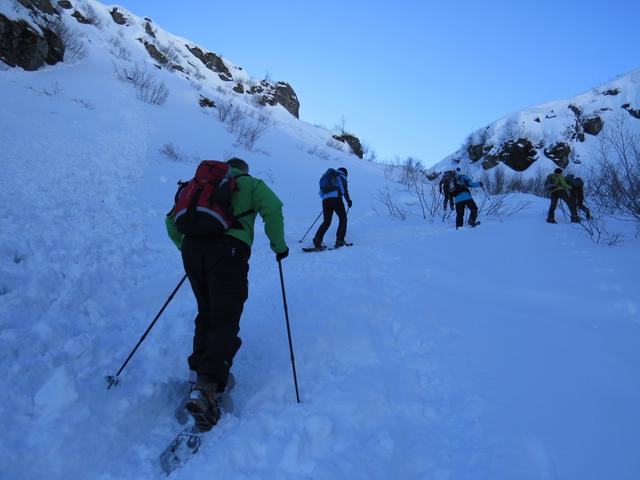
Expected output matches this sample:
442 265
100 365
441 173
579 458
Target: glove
282 255
349 203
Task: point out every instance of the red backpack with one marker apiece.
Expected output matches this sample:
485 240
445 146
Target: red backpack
202 205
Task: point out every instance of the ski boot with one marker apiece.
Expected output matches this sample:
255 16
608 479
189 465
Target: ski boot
203 405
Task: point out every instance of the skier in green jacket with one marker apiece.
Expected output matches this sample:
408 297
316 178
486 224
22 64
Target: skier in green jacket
559 189
217 268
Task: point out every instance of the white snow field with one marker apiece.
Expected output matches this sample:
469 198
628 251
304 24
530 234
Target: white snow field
509 351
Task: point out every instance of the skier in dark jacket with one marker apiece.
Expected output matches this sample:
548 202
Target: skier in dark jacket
559 190
463 199
332 202
576 194
445 189
217 268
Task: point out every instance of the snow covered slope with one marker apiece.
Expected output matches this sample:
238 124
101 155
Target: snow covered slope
563 133
422 352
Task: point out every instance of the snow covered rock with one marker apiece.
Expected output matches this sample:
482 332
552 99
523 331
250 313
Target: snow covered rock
560 133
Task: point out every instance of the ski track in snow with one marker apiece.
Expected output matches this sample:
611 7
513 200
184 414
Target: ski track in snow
505 351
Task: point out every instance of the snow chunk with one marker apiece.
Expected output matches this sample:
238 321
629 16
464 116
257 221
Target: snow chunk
57 393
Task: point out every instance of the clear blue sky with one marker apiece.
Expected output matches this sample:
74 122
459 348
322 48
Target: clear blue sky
414 78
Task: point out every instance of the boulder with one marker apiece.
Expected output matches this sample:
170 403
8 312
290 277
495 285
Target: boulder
592 125
518 154
239 88
575 109
149 29
213 62
65 4
154 53
475 152
353 142
23 46
118 17
632 111
274 94
611 91
81 18
559 154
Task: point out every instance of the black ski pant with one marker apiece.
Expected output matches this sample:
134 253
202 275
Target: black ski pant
217 269
330 205
555 197
460 206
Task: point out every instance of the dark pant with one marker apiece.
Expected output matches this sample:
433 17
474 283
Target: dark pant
460 206
577 197
330 205
447 199
217 269
555 197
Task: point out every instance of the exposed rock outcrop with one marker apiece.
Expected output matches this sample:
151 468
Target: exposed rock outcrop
274 94
213 62
592 125
81 18
518 154
559 154
39 6
23 46
118 17
353 142
154 53
632 111
475 152
65 4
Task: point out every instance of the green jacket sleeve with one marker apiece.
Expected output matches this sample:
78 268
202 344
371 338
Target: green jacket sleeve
269 206
172 231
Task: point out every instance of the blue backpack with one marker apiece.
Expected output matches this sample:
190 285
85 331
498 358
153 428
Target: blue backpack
329 181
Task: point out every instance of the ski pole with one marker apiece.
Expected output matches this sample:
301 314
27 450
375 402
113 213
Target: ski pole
314 222
286 315
113 380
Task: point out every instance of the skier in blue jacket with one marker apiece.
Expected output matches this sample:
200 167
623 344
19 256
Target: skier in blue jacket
332 202
463 198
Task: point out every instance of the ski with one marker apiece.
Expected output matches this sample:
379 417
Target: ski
322 249
335 247
188 441
314 249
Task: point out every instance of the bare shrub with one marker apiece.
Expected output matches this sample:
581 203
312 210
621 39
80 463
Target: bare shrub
170 52
411 168
91 15
84 103
369 153
596 228
118 50
500 206
384 196
615 181
497 182
55 90
72 39
318 152
148 89
428 198
172 152
251 128
224 110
